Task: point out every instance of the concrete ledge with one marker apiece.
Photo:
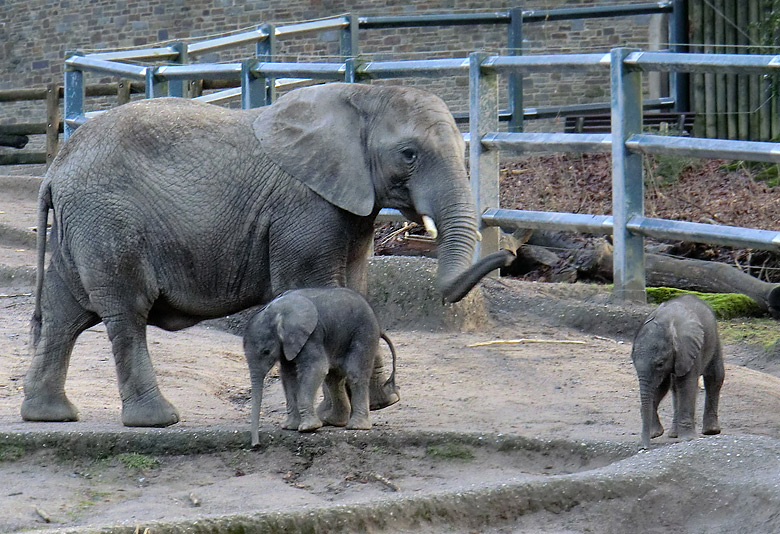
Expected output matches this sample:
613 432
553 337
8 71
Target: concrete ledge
678 477
402 291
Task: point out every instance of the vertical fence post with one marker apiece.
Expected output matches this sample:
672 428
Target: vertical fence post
350 74
679 82
123 89
348 44
253 87
74 96
627 184
177 87
52 121
515 82
483 163
154 85
266 52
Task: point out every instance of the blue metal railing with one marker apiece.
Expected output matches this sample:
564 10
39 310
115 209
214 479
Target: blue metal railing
264 38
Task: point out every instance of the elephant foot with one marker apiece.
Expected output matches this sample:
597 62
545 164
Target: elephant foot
359 423
310 424
658 431
292 422
49 408
684 434
330 415
711 428
387 397
152 413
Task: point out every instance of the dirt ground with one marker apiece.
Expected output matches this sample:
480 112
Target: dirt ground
567 384
540 436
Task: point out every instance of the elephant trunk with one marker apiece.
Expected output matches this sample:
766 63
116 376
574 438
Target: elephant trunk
649 414
458 235
257 400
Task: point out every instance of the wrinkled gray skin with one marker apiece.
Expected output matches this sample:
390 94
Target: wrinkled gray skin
676 345
170 211
316 335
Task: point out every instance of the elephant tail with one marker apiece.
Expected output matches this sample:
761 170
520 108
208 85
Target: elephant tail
391 379
44 205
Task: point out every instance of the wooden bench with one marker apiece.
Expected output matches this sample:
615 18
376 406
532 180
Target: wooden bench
677 123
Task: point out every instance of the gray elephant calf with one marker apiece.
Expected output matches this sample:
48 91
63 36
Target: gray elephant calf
678 343
316 335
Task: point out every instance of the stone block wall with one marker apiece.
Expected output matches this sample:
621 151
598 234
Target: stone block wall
35 35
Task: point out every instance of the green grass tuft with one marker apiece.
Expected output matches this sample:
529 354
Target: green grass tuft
140 462
761 333
450 451
11 453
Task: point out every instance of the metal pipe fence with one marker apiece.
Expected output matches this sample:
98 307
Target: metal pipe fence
627 144
259 78
264 37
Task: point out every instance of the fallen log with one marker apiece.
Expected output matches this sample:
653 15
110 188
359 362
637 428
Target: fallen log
593 258
706 276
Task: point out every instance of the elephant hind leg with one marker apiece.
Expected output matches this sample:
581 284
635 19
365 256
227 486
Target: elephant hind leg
142 403
334 411
53 336
713 380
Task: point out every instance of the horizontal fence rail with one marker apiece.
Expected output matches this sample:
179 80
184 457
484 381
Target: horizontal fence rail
264 38
626 143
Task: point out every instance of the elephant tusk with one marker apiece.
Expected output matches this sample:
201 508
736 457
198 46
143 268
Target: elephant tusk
479 235
430 226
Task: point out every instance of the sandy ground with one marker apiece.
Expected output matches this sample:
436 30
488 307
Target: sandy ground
570 384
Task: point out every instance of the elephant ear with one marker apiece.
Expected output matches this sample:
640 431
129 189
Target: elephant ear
688 339
295 323
317 135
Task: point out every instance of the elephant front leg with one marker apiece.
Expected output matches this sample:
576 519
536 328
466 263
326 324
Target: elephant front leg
684 398
290 385
380 395
310 378
142 403
53 336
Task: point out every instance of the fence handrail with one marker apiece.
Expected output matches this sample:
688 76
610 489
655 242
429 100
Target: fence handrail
265 36
703 63
505 17
261 33
138 54
102 66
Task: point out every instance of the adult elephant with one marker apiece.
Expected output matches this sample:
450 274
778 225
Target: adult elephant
170 211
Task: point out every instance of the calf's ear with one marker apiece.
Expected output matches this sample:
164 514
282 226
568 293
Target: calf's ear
295 322
688 339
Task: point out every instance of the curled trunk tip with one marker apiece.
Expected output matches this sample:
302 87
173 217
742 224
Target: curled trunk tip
456 287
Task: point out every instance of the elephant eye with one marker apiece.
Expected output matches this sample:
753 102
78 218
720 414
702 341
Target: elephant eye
409 155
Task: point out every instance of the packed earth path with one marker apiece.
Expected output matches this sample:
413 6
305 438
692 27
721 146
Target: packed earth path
537 435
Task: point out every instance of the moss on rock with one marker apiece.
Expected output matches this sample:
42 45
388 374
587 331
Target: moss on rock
725 305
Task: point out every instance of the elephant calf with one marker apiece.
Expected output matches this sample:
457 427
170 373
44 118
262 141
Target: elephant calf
328 335
677 343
